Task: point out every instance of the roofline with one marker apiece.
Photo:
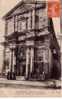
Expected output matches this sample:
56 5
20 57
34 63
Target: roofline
15 7
19 4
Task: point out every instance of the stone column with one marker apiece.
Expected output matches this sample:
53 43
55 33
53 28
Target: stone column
27 61
33 19
13 61
31 59
10 61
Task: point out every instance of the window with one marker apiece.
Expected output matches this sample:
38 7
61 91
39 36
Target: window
40 54
21 54
16 24
29 21
43 19
22 22
45 56
21 25
10 26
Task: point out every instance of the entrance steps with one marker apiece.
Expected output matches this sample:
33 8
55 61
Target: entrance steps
20 78
39 84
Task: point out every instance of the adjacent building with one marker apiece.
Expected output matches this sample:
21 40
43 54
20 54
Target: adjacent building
31 49
59 36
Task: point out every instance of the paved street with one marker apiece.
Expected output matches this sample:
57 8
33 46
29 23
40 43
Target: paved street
28 91
27 88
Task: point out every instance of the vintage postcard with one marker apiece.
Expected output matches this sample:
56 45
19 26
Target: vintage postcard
30 48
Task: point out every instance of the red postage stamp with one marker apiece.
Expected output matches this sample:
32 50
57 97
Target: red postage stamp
53 8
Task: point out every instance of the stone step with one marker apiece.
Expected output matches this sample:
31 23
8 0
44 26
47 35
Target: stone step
19 78
18 83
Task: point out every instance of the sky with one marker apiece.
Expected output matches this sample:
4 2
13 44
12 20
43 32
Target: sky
5 6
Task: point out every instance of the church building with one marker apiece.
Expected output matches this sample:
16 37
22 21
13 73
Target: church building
31 49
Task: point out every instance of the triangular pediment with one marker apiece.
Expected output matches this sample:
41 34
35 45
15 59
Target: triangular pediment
23 7
20 8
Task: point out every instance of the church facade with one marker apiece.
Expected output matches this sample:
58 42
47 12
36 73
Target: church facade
31 49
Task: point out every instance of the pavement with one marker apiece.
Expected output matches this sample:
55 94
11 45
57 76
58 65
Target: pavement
40 84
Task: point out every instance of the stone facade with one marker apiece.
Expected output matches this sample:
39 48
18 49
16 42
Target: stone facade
31 42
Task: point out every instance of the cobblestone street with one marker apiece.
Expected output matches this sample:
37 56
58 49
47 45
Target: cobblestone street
28 91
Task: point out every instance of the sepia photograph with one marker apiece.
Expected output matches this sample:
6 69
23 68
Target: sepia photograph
30 48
